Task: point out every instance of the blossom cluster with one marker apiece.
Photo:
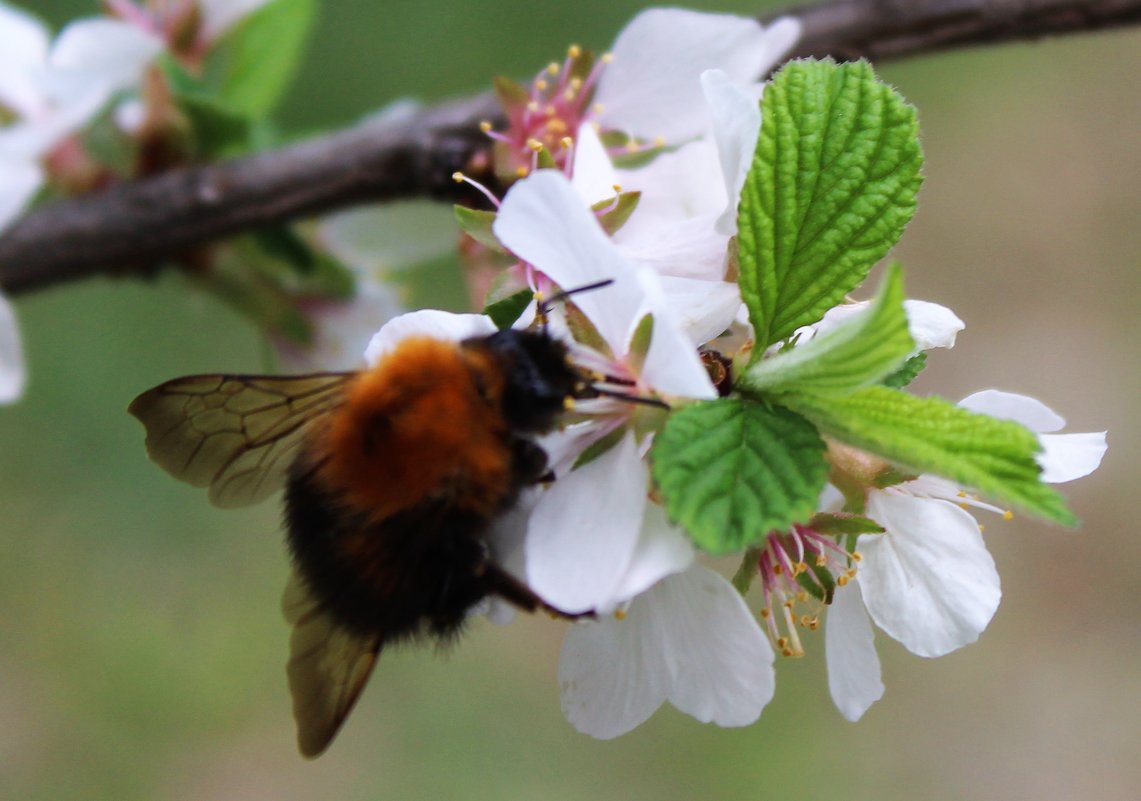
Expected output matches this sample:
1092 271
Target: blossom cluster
681 89
633 170
53 91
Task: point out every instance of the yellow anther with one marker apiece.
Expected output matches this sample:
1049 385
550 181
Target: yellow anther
801 596
821 560
619 614
1008 515
568 404
533 106
550 110
814 623
535 145
801 567
541 85
617 188
606 58
782 643
556 125
857 556
982 528
568 94
842 580
786 652
567 142
598 108
485 126
778 570
522 172
458 177
574 51
964 506
962 493
576 83
632 146
659 141
553 68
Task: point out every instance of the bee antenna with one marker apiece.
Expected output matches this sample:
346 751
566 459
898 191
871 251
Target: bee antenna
545 305
639 399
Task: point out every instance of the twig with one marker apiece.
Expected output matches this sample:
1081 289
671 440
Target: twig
130 227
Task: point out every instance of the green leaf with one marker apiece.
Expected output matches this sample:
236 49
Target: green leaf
477 223
730 471
832 185
252 64
617 212
908 372
216 130
860 351
506 311
931 435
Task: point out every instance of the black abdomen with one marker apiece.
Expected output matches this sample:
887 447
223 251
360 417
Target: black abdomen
418 571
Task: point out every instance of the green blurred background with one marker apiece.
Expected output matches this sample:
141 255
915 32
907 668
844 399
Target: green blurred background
141 647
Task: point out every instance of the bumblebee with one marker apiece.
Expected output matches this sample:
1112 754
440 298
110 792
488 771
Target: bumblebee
392 477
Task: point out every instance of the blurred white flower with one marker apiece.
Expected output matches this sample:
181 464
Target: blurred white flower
341 329
13 374
52 89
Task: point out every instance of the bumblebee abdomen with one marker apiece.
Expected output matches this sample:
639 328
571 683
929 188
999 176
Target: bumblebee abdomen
417 571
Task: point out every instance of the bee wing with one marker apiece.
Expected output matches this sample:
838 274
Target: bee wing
328 668
235 434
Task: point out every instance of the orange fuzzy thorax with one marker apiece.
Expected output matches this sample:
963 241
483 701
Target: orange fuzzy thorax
423 423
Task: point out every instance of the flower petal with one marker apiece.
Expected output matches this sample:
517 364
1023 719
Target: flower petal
687 248
705 309
689 640
652 88
853 667
1065 457
931 325
607 681
545 222
929 581
736 124
662 550
13 373
219 15
21 180
724 663
25 49
104 52
672 365
428 323
1032 413
585 529
594 175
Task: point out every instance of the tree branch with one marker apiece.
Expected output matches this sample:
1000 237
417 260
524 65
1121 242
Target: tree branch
130 227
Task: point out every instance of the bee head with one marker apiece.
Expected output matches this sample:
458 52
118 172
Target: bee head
537 377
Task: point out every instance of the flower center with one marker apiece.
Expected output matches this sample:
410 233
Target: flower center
799 571
547 114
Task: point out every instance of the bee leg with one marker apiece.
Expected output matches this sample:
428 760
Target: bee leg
529 462
514 591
